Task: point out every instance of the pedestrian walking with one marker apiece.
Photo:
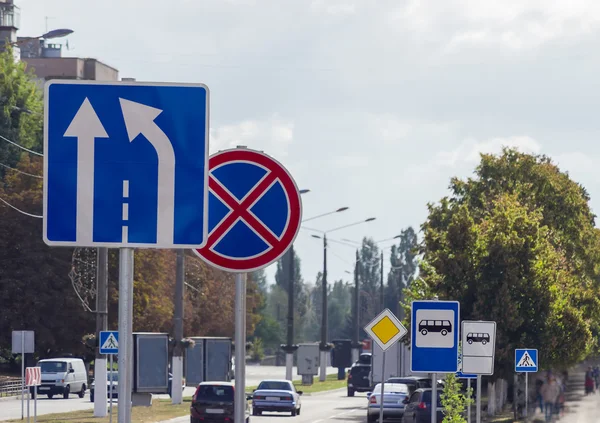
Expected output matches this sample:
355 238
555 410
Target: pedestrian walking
589 381
550 393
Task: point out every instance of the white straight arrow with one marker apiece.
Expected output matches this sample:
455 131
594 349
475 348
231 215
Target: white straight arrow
86 127
139 119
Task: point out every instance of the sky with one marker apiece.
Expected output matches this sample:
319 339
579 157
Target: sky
371 104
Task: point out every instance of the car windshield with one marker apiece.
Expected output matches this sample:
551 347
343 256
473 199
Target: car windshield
53 367
392 387
215 392
274 385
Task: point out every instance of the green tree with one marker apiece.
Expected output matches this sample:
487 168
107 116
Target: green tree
21 106
282 280
517 244
403 261
369 280
339 300
453 401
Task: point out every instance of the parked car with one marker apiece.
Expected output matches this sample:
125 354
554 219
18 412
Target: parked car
276 395
213 402
358 379
115 385
418 407
413 382
61 376
394 395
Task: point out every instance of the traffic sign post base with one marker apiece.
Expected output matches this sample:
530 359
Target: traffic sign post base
289 365
239 400
100 391
125 334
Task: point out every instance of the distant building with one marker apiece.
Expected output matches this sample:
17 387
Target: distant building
10 20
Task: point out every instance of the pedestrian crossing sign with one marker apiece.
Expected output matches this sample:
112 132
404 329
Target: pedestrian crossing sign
109 342
526 360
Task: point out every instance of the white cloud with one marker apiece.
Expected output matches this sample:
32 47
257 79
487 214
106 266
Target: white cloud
469 150
274 136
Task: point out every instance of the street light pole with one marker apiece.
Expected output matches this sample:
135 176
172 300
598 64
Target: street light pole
381 296
290 347
356 323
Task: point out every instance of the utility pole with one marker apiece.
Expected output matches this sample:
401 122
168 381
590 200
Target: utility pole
289 348
177 366
100 373
381 296
355 318
324 347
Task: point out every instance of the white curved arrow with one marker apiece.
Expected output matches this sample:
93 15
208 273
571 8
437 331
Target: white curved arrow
139 119
86 127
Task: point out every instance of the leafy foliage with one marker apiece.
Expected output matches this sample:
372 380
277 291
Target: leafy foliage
453 401
517 244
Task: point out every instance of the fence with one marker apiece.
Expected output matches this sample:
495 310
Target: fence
10 387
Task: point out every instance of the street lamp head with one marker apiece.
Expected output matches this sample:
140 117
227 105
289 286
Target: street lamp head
304 191
341 209
370 219
397 236
316 236
57 33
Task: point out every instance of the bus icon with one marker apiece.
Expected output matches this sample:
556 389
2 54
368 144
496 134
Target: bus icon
484 338
435 326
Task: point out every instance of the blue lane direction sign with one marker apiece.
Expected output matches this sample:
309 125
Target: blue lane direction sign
526 360
109 342
125 164
434 336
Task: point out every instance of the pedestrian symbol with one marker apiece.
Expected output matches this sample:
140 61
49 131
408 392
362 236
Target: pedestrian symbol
109 342
526 360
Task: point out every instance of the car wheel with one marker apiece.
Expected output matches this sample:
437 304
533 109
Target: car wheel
293 412
256 412
371 418
66 392
350 392
82 392
484 342
444 332
470 341
298 412
50 396
424 332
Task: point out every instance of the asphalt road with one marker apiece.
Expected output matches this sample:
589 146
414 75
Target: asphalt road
11 408
332 406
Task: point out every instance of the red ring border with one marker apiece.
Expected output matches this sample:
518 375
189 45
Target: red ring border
293 194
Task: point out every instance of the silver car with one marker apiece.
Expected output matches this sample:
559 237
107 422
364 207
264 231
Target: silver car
276 395
394 395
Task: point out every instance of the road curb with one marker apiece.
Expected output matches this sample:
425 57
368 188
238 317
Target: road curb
14 397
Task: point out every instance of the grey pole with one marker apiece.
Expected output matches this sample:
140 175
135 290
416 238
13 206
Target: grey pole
382 387
101 325
28 398
177 366
355 317
381 296
289 348
111 388
22 374
125 333
469 408
239 400
478 406
526 394
35 403
324 349
434 398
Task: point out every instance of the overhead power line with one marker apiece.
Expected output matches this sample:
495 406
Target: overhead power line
21 147
21 172
19 210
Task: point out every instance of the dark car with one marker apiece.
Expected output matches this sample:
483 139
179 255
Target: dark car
417 408
358 379
213 403
413 382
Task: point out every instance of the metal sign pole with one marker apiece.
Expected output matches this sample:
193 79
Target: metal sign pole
478 407
22 374
434 398
239 400
526 394
382 387
125 355
28 398
470 396
35 404
110 392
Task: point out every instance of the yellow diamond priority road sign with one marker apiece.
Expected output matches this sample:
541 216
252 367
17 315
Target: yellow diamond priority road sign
386 329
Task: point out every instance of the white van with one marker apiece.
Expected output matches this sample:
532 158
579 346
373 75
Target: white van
63 376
